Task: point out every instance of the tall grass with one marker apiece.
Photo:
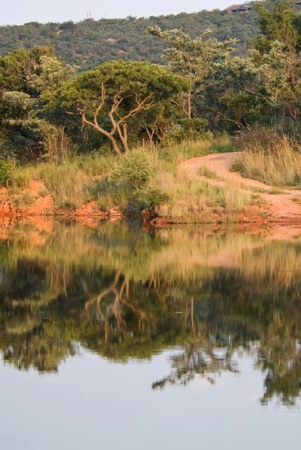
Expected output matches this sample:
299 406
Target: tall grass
195 200
68 180
177 153
76 180
276 161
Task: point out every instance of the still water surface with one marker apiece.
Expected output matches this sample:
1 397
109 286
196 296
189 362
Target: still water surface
112 338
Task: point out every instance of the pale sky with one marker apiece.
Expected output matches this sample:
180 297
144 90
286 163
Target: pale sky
17 12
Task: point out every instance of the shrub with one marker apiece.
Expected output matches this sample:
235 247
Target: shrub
133 170
154 196
187 130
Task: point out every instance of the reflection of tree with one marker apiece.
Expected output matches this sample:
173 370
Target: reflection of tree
120 289
51 299
198 360
280 356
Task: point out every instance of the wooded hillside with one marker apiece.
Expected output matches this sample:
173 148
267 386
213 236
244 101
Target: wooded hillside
91 42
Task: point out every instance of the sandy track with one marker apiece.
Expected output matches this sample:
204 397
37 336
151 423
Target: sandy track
281 207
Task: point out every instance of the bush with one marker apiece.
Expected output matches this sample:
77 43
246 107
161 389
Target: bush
154 197
187 130
6 170
133 170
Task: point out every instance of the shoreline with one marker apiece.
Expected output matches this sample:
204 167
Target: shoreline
241 200
43 208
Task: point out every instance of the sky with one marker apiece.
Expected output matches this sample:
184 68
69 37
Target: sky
18 12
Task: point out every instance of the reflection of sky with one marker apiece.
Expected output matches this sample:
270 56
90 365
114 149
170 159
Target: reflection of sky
97 404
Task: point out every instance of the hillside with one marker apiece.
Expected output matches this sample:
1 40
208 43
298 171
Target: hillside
89 43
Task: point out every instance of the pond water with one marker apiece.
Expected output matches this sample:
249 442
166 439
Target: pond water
116 338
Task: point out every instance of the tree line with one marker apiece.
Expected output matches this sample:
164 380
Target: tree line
89 43
47 105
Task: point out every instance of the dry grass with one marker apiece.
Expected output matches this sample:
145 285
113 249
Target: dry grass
74 181
68 180
277 162
178 153
207 173
190 200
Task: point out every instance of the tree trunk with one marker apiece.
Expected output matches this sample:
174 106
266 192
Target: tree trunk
123 134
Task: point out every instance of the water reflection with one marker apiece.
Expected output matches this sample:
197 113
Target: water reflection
125 294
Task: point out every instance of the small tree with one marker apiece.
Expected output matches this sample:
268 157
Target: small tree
197 60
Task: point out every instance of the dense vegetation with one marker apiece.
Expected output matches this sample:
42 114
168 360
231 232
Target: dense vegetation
89 43
51 110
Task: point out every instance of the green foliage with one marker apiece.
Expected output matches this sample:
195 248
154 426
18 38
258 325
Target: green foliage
154 196
133 170
19 66
27 81
109 39
6 170
193 58
148 197
278 22
197 60
49 112
113 97
184 132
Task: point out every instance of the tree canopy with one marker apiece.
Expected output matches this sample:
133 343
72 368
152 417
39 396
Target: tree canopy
110 97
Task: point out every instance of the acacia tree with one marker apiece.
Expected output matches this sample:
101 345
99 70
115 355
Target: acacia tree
197 60
113 97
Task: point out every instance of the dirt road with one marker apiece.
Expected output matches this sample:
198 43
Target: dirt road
280 205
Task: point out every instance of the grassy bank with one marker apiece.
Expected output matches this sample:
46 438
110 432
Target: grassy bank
146 177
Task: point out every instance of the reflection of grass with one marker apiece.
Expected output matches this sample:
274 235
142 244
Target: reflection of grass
274 265
193 286
175 255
